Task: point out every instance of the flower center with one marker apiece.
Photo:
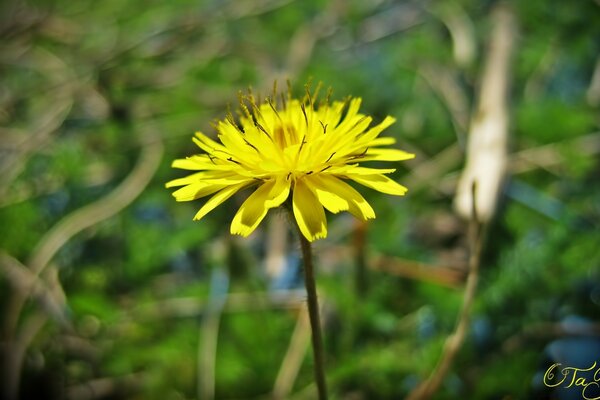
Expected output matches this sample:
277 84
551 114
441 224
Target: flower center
285 135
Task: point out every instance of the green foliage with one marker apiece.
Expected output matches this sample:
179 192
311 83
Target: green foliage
140 286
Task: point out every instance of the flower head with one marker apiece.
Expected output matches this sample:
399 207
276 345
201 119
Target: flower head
291 149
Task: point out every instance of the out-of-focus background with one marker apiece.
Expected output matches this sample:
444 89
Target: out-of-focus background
109 290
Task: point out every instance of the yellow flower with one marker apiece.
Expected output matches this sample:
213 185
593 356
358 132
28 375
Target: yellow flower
291 149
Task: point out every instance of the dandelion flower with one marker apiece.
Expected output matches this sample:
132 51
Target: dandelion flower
291 149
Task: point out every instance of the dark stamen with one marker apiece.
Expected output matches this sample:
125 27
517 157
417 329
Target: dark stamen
243 106
331 156
317 90
324 127
304 112
274 94
302 144
231 120
359 155
273 107
283 103
307 89
251 145
259 126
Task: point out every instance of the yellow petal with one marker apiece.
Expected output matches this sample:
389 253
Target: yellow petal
269 195
382 141
327 196
200 162
195 191
372 133
309 212
208 178
386 155
333 186
355 169
279 193
380 183
194 178
218 198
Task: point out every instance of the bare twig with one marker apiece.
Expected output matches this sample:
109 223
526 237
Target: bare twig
453 343
290 366
488 139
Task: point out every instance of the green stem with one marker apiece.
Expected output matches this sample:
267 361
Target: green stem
313 314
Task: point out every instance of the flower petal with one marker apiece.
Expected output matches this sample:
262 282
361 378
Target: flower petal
355 169
334 187
269 195
309 212
386 155
219 198
201 162
327 196
195 191
380 183
208 178
372 133
186 180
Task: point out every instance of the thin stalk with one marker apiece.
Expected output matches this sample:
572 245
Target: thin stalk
313 314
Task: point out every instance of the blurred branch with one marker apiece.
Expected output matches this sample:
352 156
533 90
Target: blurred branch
593 91
235 302
60 234
428 173
105 387
359 247
23 280
209 334
290 366
535 82
547 157
43 126
427 389
446 85
488 138
462 31
237 9
545 331
14 355
389 21
444 276
86 217
276 247
550 155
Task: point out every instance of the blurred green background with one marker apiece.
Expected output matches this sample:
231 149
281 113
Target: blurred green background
109 290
